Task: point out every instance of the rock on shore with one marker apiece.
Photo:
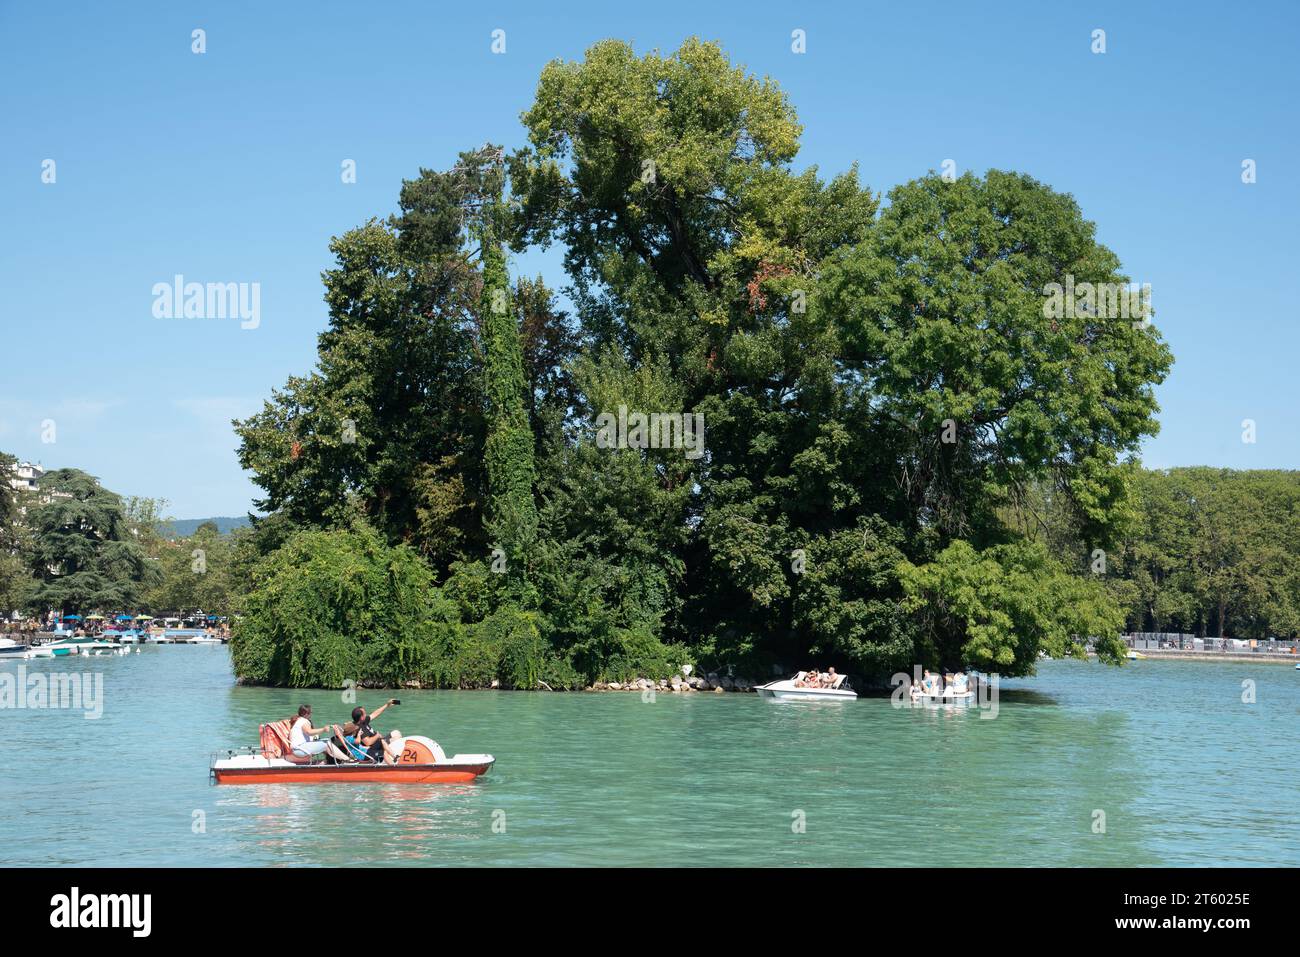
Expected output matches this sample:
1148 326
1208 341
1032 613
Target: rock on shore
677 684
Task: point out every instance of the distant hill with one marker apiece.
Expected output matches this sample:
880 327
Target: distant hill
185 527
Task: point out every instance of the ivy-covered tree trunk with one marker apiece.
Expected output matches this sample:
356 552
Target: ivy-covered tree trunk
511 513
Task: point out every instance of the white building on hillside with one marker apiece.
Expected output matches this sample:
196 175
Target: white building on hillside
26 476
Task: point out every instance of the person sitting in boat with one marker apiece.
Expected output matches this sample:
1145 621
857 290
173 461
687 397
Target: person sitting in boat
376 744
829 679
346 741
811 679
959 683
302 737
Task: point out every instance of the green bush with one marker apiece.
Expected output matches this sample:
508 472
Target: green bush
637 653
329 606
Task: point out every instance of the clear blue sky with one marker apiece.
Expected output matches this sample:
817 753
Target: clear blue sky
225 167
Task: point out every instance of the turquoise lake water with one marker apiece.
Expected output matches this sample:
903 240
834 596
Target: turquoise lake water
1184 772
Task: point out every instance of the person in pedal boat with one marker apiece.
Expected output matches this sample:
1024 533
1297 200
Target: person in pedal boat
376 744
346 741
302 732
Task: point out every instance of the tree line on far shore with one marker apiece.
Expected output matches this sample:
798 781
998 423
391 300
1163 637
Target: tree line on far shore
906 458
75 547
1211 552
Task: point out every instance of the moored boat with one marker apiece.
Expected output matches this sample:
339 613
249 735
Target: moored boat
791 689
85 645
422 761
945 695
956 688
12 649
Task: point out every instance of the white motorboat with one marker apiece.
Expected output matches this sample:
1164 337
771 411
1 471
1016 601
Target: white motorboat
12 649
793 689
84 646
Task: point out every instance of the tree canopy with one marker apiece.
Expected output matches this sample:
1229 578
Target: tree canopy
83 555
885 398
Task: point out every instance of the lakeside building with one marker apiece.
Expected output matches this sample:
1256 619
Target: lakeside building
25 477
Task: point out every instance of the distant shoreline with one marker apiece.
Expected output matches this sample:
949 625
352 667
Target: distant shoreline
1262 657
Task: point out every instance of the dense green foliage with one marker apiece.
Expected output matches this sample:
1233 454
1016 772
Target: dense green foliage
16 580
1209 552
508 449
196 573
332 606
83 555
74 547
884 397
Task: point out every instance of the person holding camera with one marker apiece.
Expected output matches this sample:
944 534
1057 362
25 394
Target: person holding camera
376 744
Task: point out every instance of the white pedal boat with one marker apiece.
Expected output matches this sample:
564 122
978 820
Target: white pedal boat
961 692
789 690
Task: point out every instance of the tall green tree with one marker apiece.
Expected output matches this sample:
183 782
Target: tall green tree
508 452
84 556
390 421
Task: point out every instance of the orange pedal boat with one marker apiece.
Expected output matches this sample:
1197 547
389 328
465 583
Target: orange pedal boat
422 761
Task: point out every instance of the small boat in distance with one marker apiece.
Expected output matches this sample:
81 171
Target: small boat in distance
949 688
791 689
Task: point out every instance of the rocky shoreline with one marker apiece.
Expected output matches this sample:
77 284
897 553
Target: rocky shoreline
677 684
